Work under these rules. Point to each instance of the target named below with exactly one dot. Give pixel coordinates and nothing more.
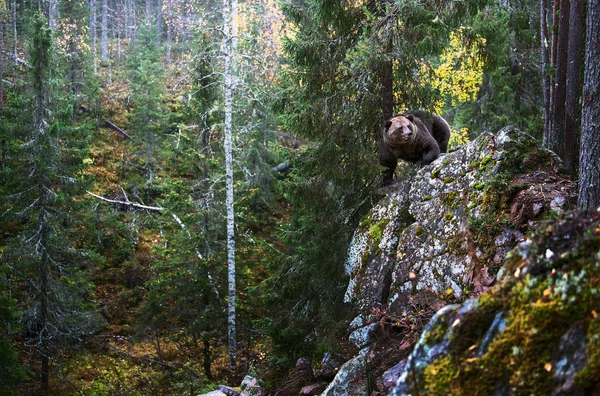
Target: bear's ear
(388, 124)
(410, 117)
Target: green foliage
(511, 90)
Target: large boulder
(536, 332)
(440, 238)
(443, 231)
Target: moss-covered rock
(535, 332)
(439, 237)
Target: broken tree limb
(116, 128)
(127, 203)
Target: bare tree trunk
(94, 33)
(104, 29)
(229, 28)
(3, 142)
(149, 10)
(572, 110)
(14, 28)
(553, 48)
(169, 30)
(159, 19)
(589, 160)
(52, 13)
(556, 138)
(545, 75)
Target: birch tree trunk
(229, 47)
(589, 160)
(104, 30)
(94, 33)
(572, 110)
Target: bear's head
(399, 130)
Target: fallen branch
(116, 128)
(127, 203)
(17, 59)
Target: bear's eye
(388, 124)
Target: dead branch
(116, 128)
(127, 203)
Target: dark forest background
(113, 209)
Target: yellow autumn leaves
(460, 70)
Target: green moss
(439, 376)
(479, 186)
(419, 230)
(448, 216)
(452, 199)
(448, 180)
(427, 198)
(375, 232)
(589, 375)
(484, 161)
(365, 221)
(435, 173)
(436, 335)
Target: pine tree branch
(116, 128)
(127, 203)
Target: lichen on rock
(442, 236)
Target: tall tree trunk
(94, 33)
(553, 47)
(545, 74)
(169, 30)
(104, 29)
(589, 160)
(149, 10)
(387, 91)
(556, 138)
(3, 141)
(229, 29)
(159, 19)
(572, 109)
(52, 13)
(14, 28)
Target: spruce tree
(146, 79)
(45, 266)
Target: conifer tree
(146, 77)
(41, 257)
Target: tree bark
(14, 28)
(169, 31)
(545, 75)
(229, 28)
(589, 161)
(553, 47)
(104, 29)
(3, 141)
(572, 109)
(556, 138)
(94, 33)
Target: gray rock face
(569, 358)
(439, 237)
(450, 321)
(350, 380)
(439, 232)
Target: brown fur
(416, 137)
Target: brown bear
(419, 136)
